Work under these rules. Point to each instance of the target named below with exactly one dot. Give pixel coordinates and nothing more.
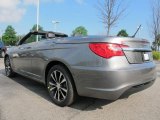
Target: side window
(33, 38)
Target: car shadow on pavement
(82, 103)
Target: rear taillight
(107, 50)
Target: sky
(21, 14)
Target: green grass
(156, 55)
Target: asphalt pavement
(25, 99)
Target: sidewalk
(156, 62)
(1, 66)
(1, 63)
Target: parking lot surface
(24, 99)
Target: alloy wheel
(57, 86)
(7, 66)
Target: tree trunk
(108, 31)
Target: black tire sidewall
(71, 92)
(11, 74)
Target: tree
(9, 37)
(80, 31)
(34, 28)
(111, 11)
(19, 37)
(155, 23)
(122, 33)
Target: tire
(8, 69)
(2, 54)
(60, 86)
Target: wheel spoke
(64, 80)
(63, 89)
(51, 89)
(62, 94)
(53, 78)
(7, 63)
(8, 67)
(55, 74)
(55, 94)
(58, 96)
(52, 84)
(60, 76)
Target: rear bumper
(110, 83)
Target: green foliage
(9, 37)
(80, 31)
(122, 33)
(156, 55)
(19, 37)
(34, 28)
(32, 38)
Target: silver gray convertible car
(96, 66)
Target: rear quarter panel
(78, 57)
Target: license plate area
(138, 57)
(146, 56)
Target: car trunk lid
(138, 52)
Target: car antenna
(137, 31)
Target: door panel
(39, 59)
(27, 59)
(22, 59)
(23, 56)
